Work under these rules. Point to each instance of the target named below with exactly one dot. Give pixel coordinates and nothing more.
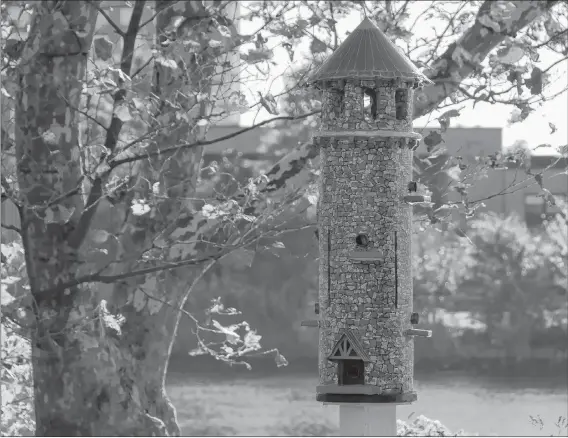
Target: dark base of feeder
(407, 397)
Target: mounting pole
(367, 419)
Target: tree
(116, 221)
(516, 281)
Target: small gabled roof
(367, 53)
(348, 347)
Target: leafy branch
(171, 150)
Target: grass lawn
(286, 406)
(251, 407)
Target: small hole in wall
(362, 240)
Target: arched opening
(401, 103)
(351, 372)
(350, 359)
(362, 240)
(370, 103)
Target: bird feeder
(366, 142)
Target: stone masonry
(362, 180)
(342, 106)
(366, 144)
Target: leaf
(156, 188)
(150, 284)
(536, 81)
(100, 236)
(103, 48)
(553, 128)
(154, 306)
(168, 63)
(139, 300)
(139, 208)
(454, 172)
(257, 55)
(432, 139)
(119, 74)
(510, 55)
(312, 198)
(289, 49)
(260, 40)
(13, 48)
(58, 214)
(138, 103)
(5, 296)
(219, 308)
(278, 245)
(123, 113)
(269, 103)
(215, 44)
(562, 150)
(198, 351)
(451, 113)
(232, 337)
(224, 31)
(318, 46)
(252, 340)
(280, 360)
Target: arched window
(401, 103)
(362, 240)
(370, 103)
(350, 359)
(341, 100)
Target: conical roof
(367, 53)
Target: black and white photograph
(284, 218)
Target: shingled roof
(367, 53)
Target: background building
(266, 145)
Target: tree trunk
(85, 381)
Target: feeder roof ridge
(367, 53)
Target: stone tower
(366, 352)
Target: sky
(534, 130)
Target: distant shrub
(421, 426)
(424, 426)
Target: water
(286, 405)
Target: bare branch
(142, 67)
(113, 132)
(12, 228)
(109, 20)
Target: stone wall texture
(343, 106)
(361, 185)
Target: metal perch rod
(418, 332)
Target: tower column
(366, 342)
